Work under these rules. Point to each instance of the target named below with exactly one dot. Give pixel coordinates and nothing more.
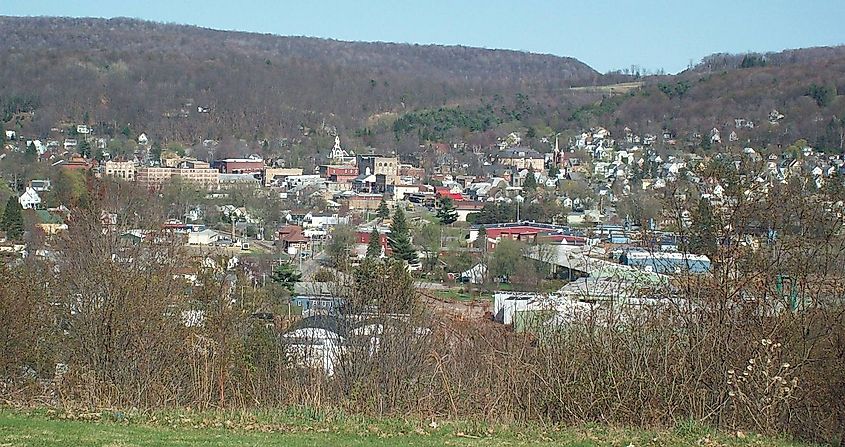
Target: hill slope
(805, 86)
(155, 76)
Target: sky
(607, 35)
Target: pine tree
(530, 183)
(481, 239)
(702, 238)
(30, 153)
(382, 211)
(446, 211)
(286, 276)
(13, 219)
(400, 238)
(374, 246)
(84, 149)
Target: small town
(368, 243)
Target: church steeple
(337, 154)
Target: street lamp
(519, 199)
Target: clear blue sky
(604, 34)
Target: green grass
(309, 428)
(461, 295)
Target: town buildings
(239, 165)
(379, 165)
(124, 170)
(156, 177)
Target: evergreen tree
(2, 135)
(554, 171)
(400, 238)
(374, 246)
(30, 154)
(481, 239)
(84, 149)
(286, 276)
(382, 211)
(13, 219)
(446, 211)
(530, 183)
(702, 239)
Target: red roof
(442, 191)
(292, 234)
(520, 230)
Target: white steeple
(337, 153)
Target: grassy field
(620, 88)
(50, 428)
(462, 295)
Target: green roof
(47, 218)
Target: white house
(29, 199)
(142, 139)
(204, 237)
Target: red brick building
(338, 173)
(364, 239)
(239, 165)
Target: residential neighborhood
(587, 210)
(447, 223)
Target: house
(204, 237)
(522, 158)
(29, 200)
(475, 275)
(324, 221)
(76, 163)
(365, 182)
(40, 185)
(317, 304)
(292, 239)
(465, 207)
(143, 140)
(715, 136)
(10, 135)
(363, 240)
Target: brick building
(239, 165)
(339, 173)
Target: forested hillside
(185, 84)
(155, 76)
(804, 86)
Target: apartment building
(376, 164)
(155, 177)
(124, 170)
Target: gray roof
(521, 152)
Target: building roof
(521, 152)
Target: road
(308, 267)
